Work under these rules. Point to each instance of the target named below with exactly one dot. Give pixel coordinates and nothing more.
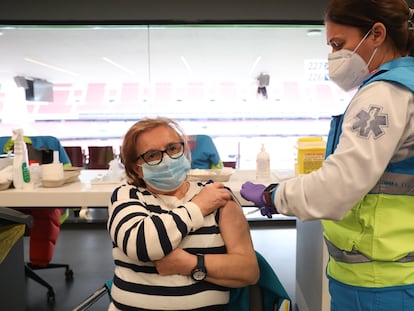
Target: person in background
(364, 190)
(177, 245)
(263, 82)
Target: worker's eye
(336, 45)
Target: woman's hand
(177, 262)
(212, 197)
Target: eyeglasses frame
(165, 151)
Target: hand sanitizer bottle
(263, 165)
(21, 174)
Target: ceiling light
(187, 65)
(254, 65)
(30, 60)
(314, 32)
(118, 65)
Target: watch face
(199, 275)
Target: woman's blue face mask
(168, 175)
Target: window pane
(104, 78)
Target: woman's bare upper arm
(235, 229)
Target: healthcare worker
(364, 191)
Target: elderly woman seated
(177, 245)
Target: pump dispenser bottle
(263, 165)
(21, 174)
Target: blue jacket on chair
(38, 143)
(204, 153)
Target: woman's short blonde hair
(129, 155)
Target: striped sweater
(145, 227)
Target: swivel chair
(46, 221)
(267, 294)
(13, 225)
(43, 236)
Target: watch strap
(200, 267)
(200, 261)
(268, 194)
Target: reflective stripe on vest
(355, 256)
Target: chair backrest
(100, 156)
(76, 155)
(232, 164)
(267, 294)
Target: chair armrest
(11, 216)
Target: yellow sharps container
(310, 153)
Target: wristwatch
(199, 272)
(268, 193)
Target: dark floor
(87, 248)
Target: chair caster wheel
(69, 275)
(50, 296)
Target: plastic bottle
(21, 174)
(35, 173)
(263, 165)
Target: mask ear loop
(372, 56)
(362, 40)
(359, 44)
(373, 53)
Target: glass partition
(242, 84)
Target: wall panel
(135, 11)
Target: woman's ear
(379, 33)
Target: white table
(80, 193)
(85, 193)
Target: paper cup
(52, 171)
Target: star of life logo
(371, 122)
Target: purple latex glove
(253, 192)
(268, 211)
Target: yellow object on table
(9, 235)
(309, 155)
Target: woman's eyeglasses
(154, 157)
